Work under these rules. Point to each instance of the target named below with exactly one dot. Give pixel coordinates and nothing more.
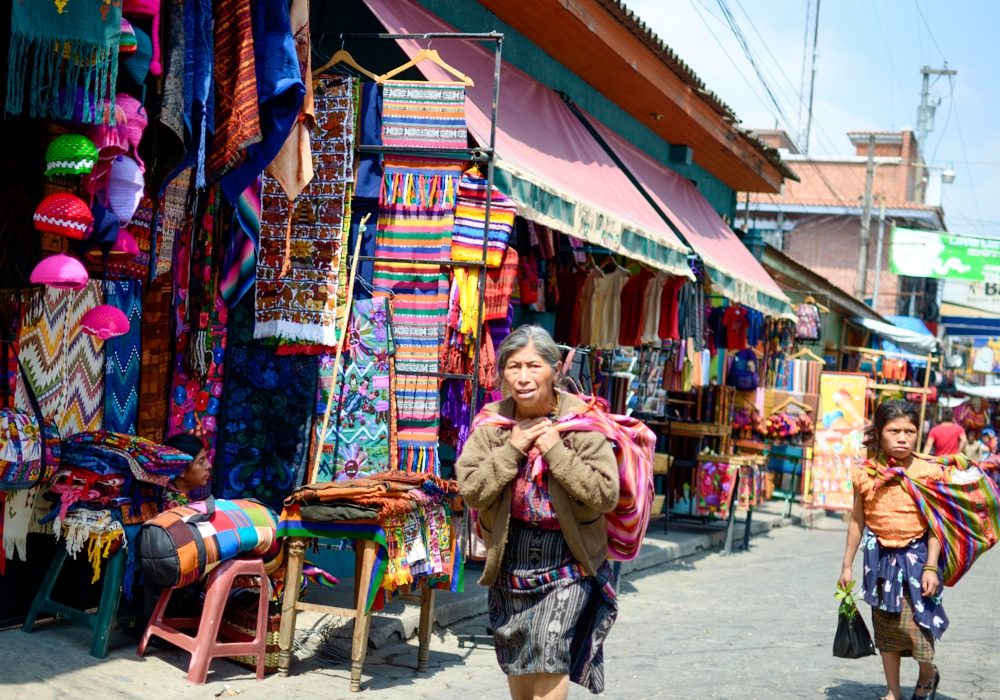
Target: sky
(868, 77)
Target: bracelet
(931, 568)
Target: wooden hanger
(810, 353)
(791, 401)
(432, 56)
(812, 300)
(346, 58)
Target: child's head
(893, 430)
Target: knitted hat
(132, 73)
(64, 214)
(105, 322)
(125, 188)
(148, 8)
(135, 123)
(127, 43)
(103, 233)
(124, 249)
(70, 154)
(61, 272)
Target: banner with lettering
(944, 255)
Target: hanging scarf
(62, 45)
(634, 445)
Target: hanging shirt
(608, 309)
(755, 327)
(807, 327)
(669, 309)
(632, 297)
(571, 280)
(586, 307)
(736, 327)
(651, 310)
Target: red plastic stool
(205, 645)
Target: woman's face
(198, 472)
(529, 378)
(899, 437)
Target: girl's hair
(885, 413)
(187, 443)
(522, 337)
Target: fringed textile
(96, 530)
(123, 359)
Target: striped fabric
(470, 219)
(424, 114)
(239, 265)
(963, 510)
(43, 351)
(123, 359)
(634, 445)
(416, 216)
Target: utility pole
(878, 250)
(812, 32)
(866, 221)
(925, 118)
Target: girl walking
(902, 580)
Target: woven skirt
(900, 633)
(546, 615)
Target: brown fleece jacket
(583, 485)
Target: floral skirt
(546, 615)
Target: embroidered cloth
(123, 359)
(714, 488)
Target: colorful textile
(634, 445)
(963, 510)
(900, 633)
(299, 260)
(69, 57)
(237, 121)
(171, 220)
(894, 573)
(141, 228)
(20, 450)
(416, 217)
(470, 220)
(240, 259)
(266, 417)
(424, 114)
(123, 359)
(715, 482)
(157, 361)
(357, 438)
(201, 318)
(890, 511)
(64, 364)
(96, 529)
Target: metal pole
(812, 80)
(861, 283)
(878, 251)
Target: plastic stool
(205, 645)
(102, 622)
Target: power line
(929, 32)
(961, 140)
(892, 64)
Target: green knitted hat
(70, 154)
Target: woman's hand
(930, 584)
(846, 576)
(548, 439)
(524, 434)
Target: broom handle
(340, 349)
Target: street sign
(944, 255)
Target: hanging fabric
(123, 360)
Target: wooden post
(923, 401)
(362, 619)
(426, 627)
(295, 551)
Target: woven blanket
(95, 529)
(424, 114)
(470, 220)
(265, 422)
(171, 220)
(84, 402)
(123, 359)
(357, 438)
(157, 361)
(201, 318)
(299, 263)
(20, 452)
(416, 216)
(634, 445)
(714, 485)
(152, 457)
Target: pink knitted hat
(105, 322)
(61, 272)
(125, 185)
(148, 8)
(64, 214)
(135, 123)
(124, 249)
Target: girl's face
(899, 437)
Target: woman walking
(902, 580)
(541, 496)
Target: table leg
(733, 504)
(746, 532)
(362, 620)
(426, 627)
(295, 553)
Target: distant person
(973, 447)
(946, 438)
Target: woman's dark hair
(187, 443)
(887, 412)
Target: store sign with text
(977, 296)
(944, 255)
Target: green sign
(944, 255)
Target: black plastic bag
(852, 640)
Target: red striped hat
(65, 215)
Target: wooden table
(365, 554)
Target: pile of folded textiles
(106, 485)
(414, 510)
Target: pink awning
(731, 265)
(546, 160)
